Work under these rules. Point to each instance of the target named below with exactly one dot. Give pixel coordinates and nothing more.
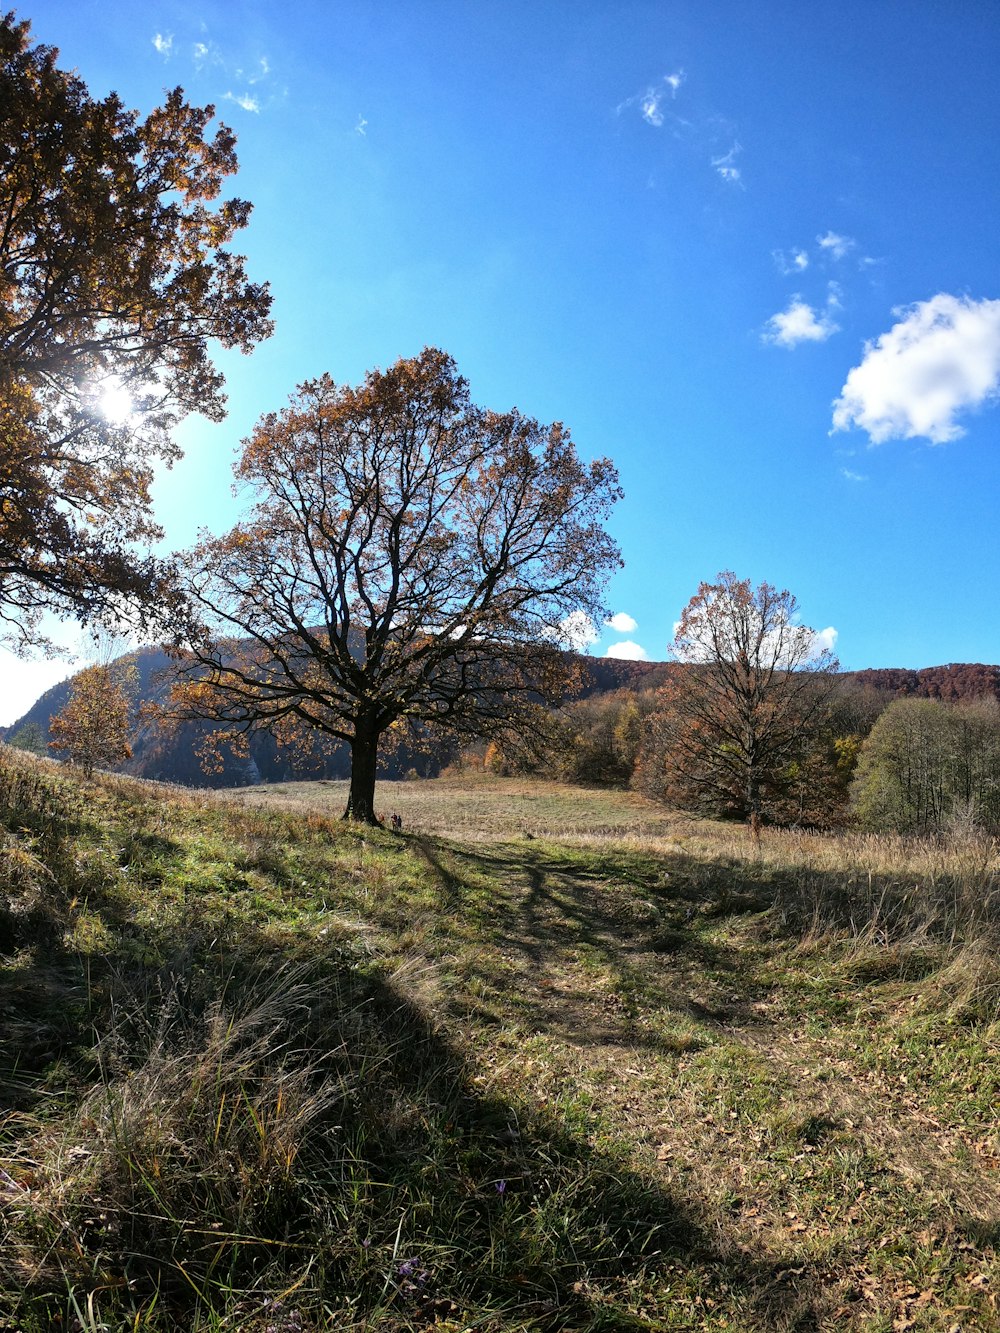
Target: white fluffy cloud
(164, 44)
(825, 641)
(622, 623)
(799, 323)
(942, 358)
(790, 261)
(577, 632)
(632, 652)
(790, 643)
(834, 245)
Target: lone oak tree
(752, 683)
(410, 558)
(113, 280)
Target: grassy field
(549, 1059)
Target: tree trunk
(361, 801)
(753, 802)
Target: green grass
(551, 1059)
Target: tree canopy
(928, 765)
(96, 724)
(114, 278)
(410, 558)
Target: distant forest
(173, 757)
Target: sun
(114, 402)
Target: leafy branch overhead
(114, 277)
(409, 556)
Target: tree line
(866, 755)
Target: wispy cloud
(702, 132)
(631, 652)
(941, 359)
(650, 108)
(834, 245)
(622, 623)
(248, 76)
(361, 127)
(799, 323)
(790, 261)
(256, 74)
(848, 475)
(650, 101)
(245, 100)
(726, 165)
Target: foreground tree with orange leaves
(750, 684)
(411, 560)
(114, 278)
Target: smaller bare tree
(751, 683)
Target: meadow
(550, 1058)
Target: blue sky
(747, 251)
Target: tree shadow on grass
(412, 1183)
(203, 1117)
(649, 927)
(583, 954)
(281, 1120)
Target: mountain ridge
(172, 757)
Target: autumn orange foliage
(114, 277)
(94, 728)
(409, 564)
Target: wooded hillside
(173, 757)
